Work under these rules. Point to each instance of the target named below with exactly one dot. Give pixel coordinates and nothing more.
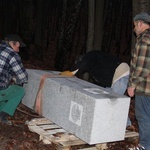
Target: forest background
(56, 32)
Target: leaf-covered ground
(18, 136)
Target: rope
(39, 99)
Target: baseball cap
(14, 37)
(142, 16)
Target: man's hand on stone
(130, 91)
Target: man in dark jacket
(100, 66)
(105, 70)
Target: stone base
(82, 108)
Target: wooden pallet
(50, 133)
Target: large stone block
(90, 112)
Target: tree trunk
(90, 37)
(98, 26)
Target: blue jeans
(120, 87)
(142, 113)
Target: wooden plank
(68, 136)
(47, 127)
(37, 130)
(90, 148)
(56, 131)
(39, 121)
(72, 143)
(51, 138)
(101, 146)
(50, 132)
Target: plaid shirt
(11, 67)
(140, 64)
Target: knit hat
(142, 16)
(121, 70)
(14, 37)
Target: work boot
(138, 147)
(3, 118)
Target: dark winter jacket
(100, 65)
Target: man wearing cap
(139, 79)
(11, 69)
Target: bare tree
(95, 24)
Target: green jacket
(140, 64)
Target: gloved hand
(13, 80)
(68, 73)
